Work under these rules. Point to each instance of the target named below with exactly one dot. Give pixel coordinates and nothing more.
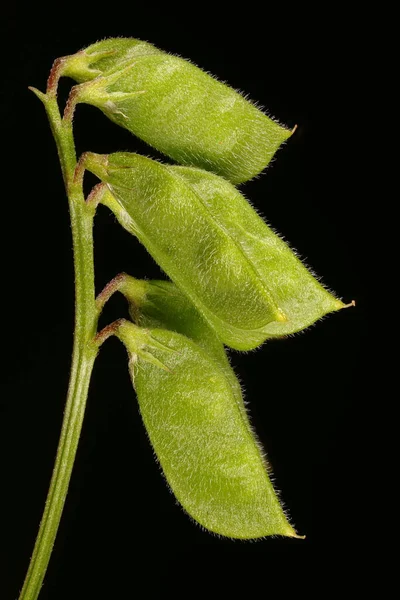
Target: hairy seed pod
(176, 107)
(178, 230)
(208, 455)
(245, 281)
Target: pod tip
(352, 303)
(299, 537)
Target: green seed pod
(178, 230)
(209, 457)
(245, 281)
(176, 107)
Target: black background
(122, 535)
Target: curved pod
(209, 457)
(196, 219)
(176, 107)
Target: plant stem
(84, 347)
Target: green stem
(84, 348)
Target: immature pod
(210, 459)
(246, 282)
(178, 230)
(176, 107)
